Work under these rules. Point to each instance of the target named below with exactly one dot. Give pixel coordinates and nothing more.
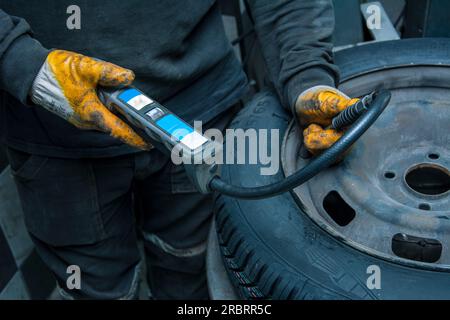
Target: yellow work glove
(315, 109)
(66, 86)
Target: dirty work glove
(315, 109)
(66, 86)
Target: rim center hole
(428, 179)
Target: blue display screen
(174, 126)
(129, 94)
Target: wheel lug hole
(433, 156)
(389, 175)
(424, 206)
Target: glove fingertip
(114, 76)
(312, 128)
(126, 134)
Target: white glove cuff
(47, 93)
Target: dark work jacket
(178, 50)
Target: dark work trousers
(83, 213)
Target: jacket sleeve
(21, 56)
(295, 37)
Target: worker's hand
(66, 85)
(315, 109)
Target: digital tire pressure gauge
(165, 131)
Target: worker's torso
(173, 46)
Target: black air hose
(380, 102)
